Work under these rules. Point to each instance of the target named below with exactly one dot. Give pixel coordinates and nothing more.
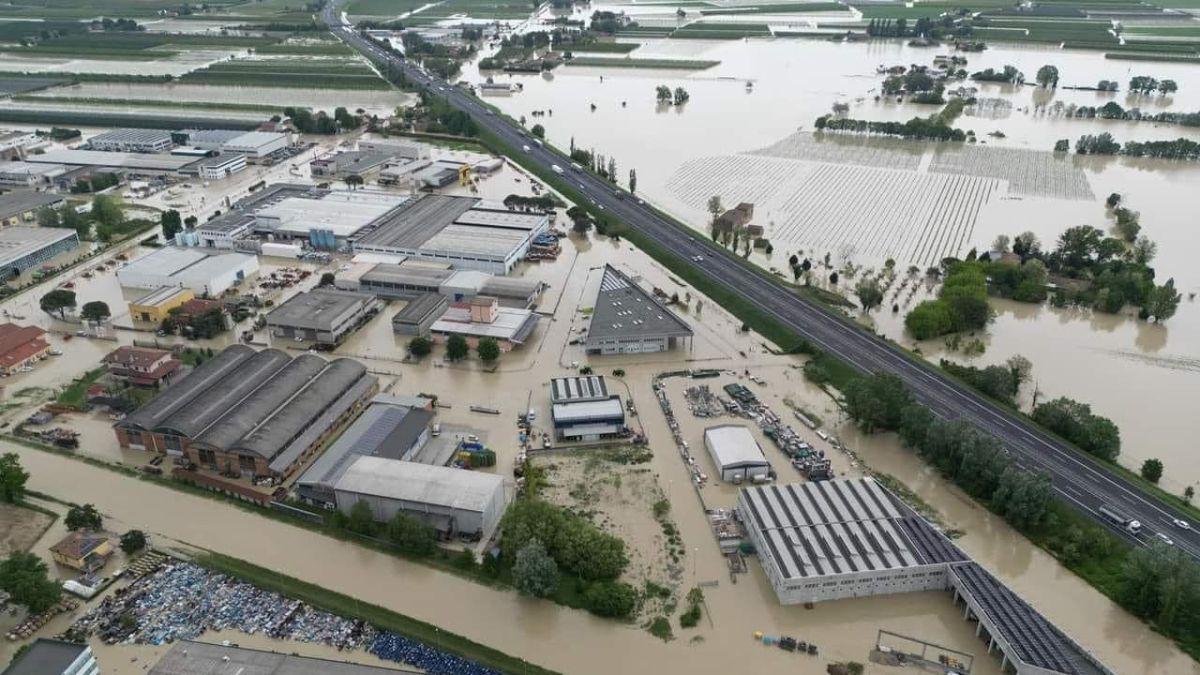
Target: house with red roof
(142, 366)
(20, 346)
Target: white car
(1164, 539)
(1181, 524)
(697, 258)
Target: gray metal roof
(132, 136)
(510, 287)
(179, 394)
(421, 483)
(581, 388)
(383, 430)
(17, 241)
(21, 201)
(830, 527)
(1036, 641)
(416, 222)
(317, 309)
(607, 410)
(46, 657)
(272, 392)
(227, 394)
(624, 309)
(421, 308)
(200, 658)
(407, 275)
(280, 429)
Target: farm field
(1030, 173)
(20, 528)
(289, 73)
(668, 64)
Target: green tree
(488, 349)
(84, 517)
(1152, 470)
(1189, 492)
(538, 130)
(360, 519)
(48, 217)
(1047, 76)
(12, 478)
(681, 96)
(327, 279)
(133, 541)
(59, 300)
(870, 295)
(714, 207)
(876, 402)
(1075, 422)
(457, 348)
(420, 346)
(1023, 499)
(107, 211)
(1161, 583)
(26, 578)
(411, 535)
(96, 310)
(172, 224)
(535, 572)
(1163, 301)
(611, 599)
(632, 182)
(662, 93)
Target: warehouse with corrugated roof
(251, 413)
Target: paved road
(1077, 480)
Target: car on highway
(697, 258)
(1164, 539)
(1181, 524)
(525, 148)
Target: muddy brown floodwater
(810, 192)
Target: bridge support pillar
(978, 628)
(1004, 663)
(991, 645)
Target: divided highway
(1079, 481)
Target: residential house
(83, 550)
(142, 366)
(20, 346)
(737, 217)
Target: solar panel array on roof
(585, 388)
(830, 527)
(1036, 641)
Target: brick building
(20, 346)
(142, 366)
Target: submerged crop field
(289, 73)
(662, 64)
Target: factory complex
(627, 319)
(250, 413)
(204, 273)
(852, 538)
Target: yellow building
(83, 551)
(157, 304)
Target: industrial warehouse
(406, 281)
(582, 409)
(852, 538)
(626, 319)
(466, 232)
(325, 316)
(172, 266)
(455, 502)
(390, 427)
(250, 413)
(735, 452)
(24, 248)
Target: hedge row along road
(1078, 480)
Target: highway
(1081, 482)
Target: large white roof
(421, 483)
(733, 445)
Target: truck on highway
(557, 169)
(1120, 519)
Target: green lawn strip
(666, 64)
(148, 103)
(287, 80)
(1164, 58)
(128, 41)
(85, 53)
(302, 50)
(780, 8)
(604, 47)
(380, 617)
(76, 393)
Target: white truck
(1117, 518)
(557, 169)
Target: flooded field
(863, 200)
(378, 102)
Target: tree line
(933, 127)
(1105, 144)
(973, 460)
